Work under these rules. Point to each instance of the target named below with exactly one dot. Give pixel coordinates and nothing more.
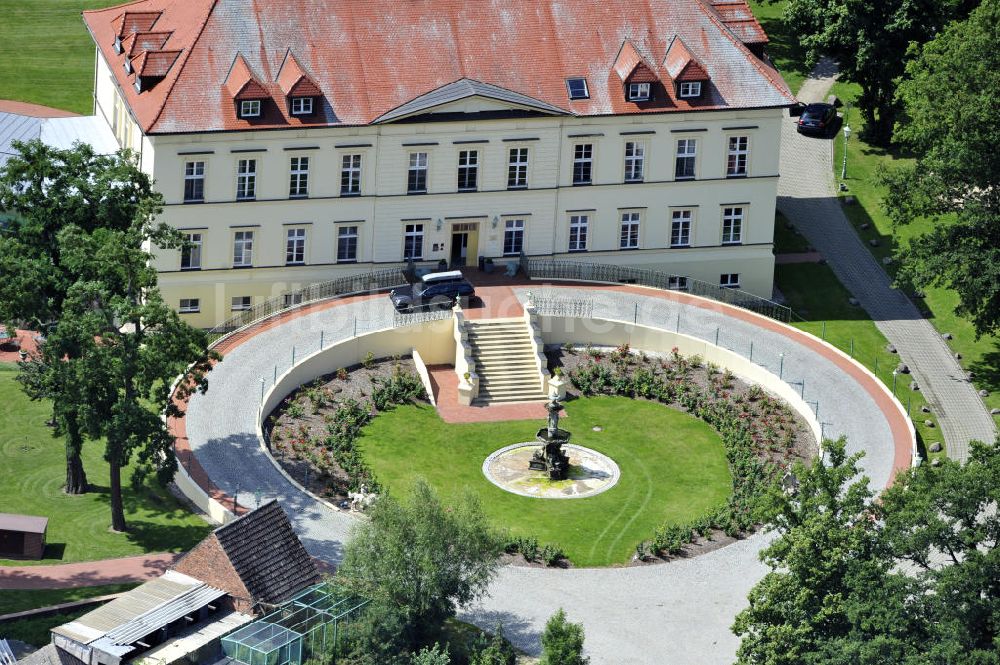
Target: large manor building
(297, 141)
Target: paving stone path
(806, 197)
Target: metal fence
(596, 272)
(370, 282)
(581, 309)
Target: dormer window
(690, 89)
(638, 92)
(302, 105)
(577, 88)
(128, 66)
(250, 108)
(118, 45)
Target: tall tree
(43, 191)
(422, 559)
(562, 642)
(870, 40)
(141, 345)
(950, 104)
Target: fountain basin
(590, 472)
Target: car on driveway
(436, 289)
(818, 120)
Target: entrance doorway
(464, 244)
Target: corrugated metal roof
(464, 89)
(62, 133)
(14, 127)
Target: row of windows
(685, 167)
(513, 239)
(577, 88)
(729, 280)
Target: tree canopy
(870, 41)
(949, 99)
(911, 578)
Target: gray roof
(267, 555)
(50, 655)
(463, 89)
(14, 127)
(25, 523)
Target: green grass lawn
(673, 469)
(47, 54)
(783, 47)
(863, 162)
(32, 475)
(787, 240)
(815, 294)
(36, 630)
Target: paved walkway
(677, 613)
(88, 573)
(806, 197)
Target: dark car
(436, 289)
(818, 119)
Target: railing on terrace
(370, 282)
(595, 272)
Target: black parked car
(436, 289)
(818, 119)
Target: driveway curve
(678, 612)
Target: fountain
(550, 457)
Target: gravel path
(678, 612)
(806, 196)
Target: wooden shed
(22, 536)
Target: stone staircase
(505, 361)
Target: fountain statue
(550, 457)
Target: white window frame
(246, 180)
(468, 163)
(350, 174)
(189, 306)
(242, 249)
(689, 89)
(194, 172)
(349, 232)
(515, 230)
(681, 222)
(517, 168)
(729, 280)
(638, 92)
(240, 303)
(192, 253)
(569, 88)
(738, 156)
(298, 177)
(583, 154)
(630, 230)
(579, 232)
(687, 149)
(250, 108)
(302, 105)
(418, 164)
(295, 246)
(635, 161)
(413, 235)
(733, 218)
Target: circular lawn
(673, 470)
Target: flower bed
(761, 434)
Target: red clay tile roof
(157, 63)
(368, 58)
(632, 67)
(739, 18)
(140, 21)
(241, 82)
(294, 81)
(682, 65)
(145, 41)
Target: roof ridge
(180, 67)
(714, 17)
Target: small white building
(297, 142)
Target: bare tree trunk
(117, 508)
(76, 476)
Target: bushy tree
(496, 651)
(431, 656)
(949, 99)
(421, 559)
(44, 192)
(843, 590)
(870, 40)
(562, 642)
